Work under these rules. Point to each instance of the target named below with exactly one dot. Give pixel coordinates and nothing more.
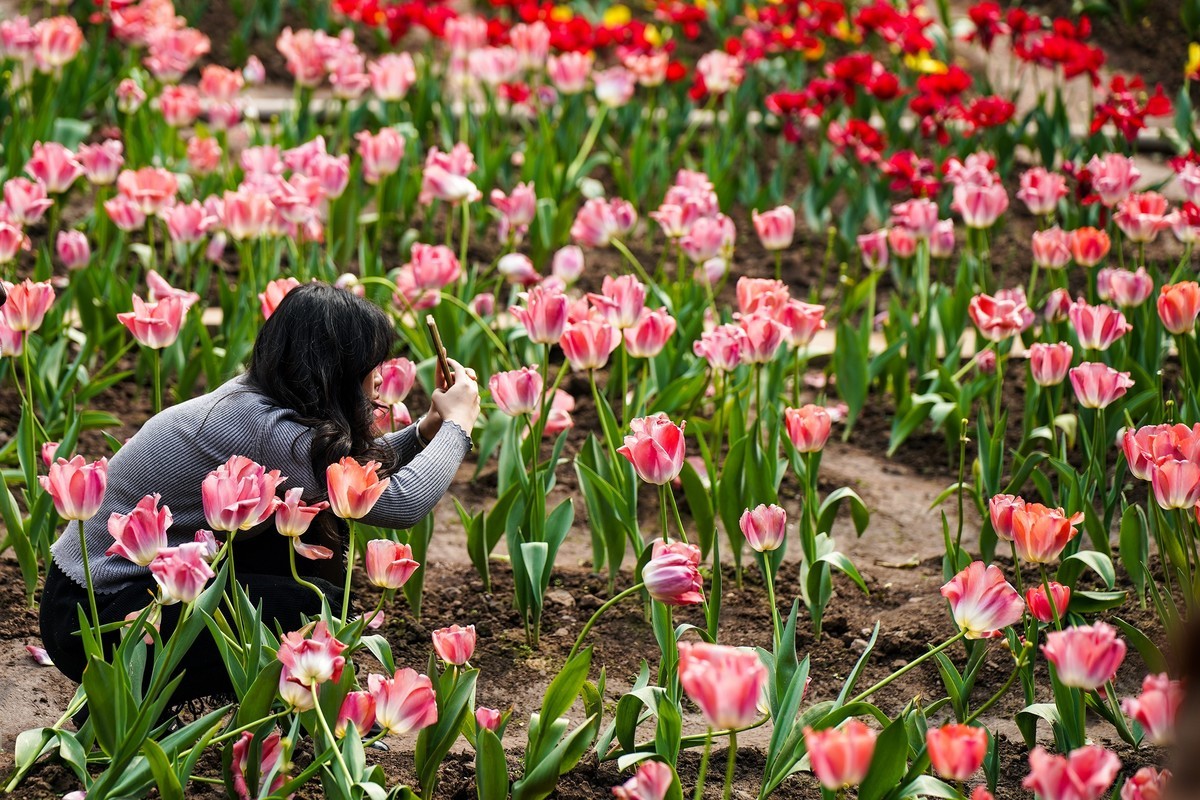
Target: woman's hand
(458, 403)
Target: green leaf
(1149, 651)
(164, 776)
(562, 691)
(1134, 548)
(829, 508)
(491, 768)
(888, 762)
(1072, 567)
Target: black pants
(262, 568)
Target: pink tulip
(1157, 708)
(725, 682)
(180, 572)
(125, 213)
(12, 343)
(775, 228)
(27, 304)
(1146, 784)
(130, 96)
(392, 417)
(599, 221)
(1040, 533)
(392, 75)
(532, 43)
(1178, 306)
(275, 292)
(397, 378)
(517, 391)
(1098, 385)
(765, 527)
(433, 266)
(672, 575)
(357, 712)
(203, 155)
(655, 448)
(1041, 190)
(801, 321)
(840, 757)
(1083, 774)
(569, 71)
(187, 223)
(1144, 447)
(313, 660)
(544, 314)
(980, 206)
(621, 300)
(518, 268)
(76, 487)
(174, 51)
(721, 347)
(1141, 216)
(918, 216)
(54, 166)
(652, 782)
(588, 343)
(140, 534)
(720, 71)
(517, 210)
(293, 517)
(57, 41)
(1000, 317)
(650, 69)
(381, 153)
(1048, 363)
(1185, 223)
(49, 449)
(1039, 605)
(248, 213)
(154, 325)
(1051, 248)
(941, 243)
(1126, 288)
(567, 264)
(354, 488)
(708, 238)
(151, 188)
(874, 249)
(488, 718)
(73, 249)
(647, 337)
(1113, 177)
(763, 337)
(1097, 326)
(12, 240)
(956, 751)
(1057, 304)
(1000, 511)
(455, 644)
(808, 427)
(1176, 483)
(1085, 656)
(1089, 246)
(180, 105)
(26, 200)
(389, 564)
(240, 495)
(982, 602)
(559, 418)
(271, 760)
(404, 702)
(615, 86)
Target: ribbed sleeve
(176, 449)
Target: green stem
(87, 576)
(991, 701)
(776, 622)
(296, 575)
(675, 511)
(464, 234)
(662, 513)
(157, 356)
(349, 573)
(699, 793)
(730, 763)
(337, 752)
(596, 616)
(585, 150)
(1049, 597)
(910, 665)
(633, 261)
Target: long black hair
(312, 356)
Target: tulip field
(840, 420)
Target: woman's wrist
(427, 428)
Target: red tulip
(313, 660)
(270, 761)
(1000, 510)
(357, 712)
(672, 575)
(1048, 363)
(588, 343)
(1086, 656)
(1156, 708)
(840, 757)
(27, 305)
(154, 325)
(240, 495)
(544, 314)
(765, 527)
(1041, 533)
(1098, 385)
(404, 702)
(725, 682)
(517, 391)
(655, 448)
(808, 427)
(76, 487)
(1089, 246)
(1178, 306)
(181, 572)
(652, 782)
(389, 564)
(1083, 774)
(140, 534)
(1097, 326)
(775, 228)
(1051, 248)
(956, 751)
(1039, 605)
(982, 602)
(455, 644)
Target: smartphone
(439, 350)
